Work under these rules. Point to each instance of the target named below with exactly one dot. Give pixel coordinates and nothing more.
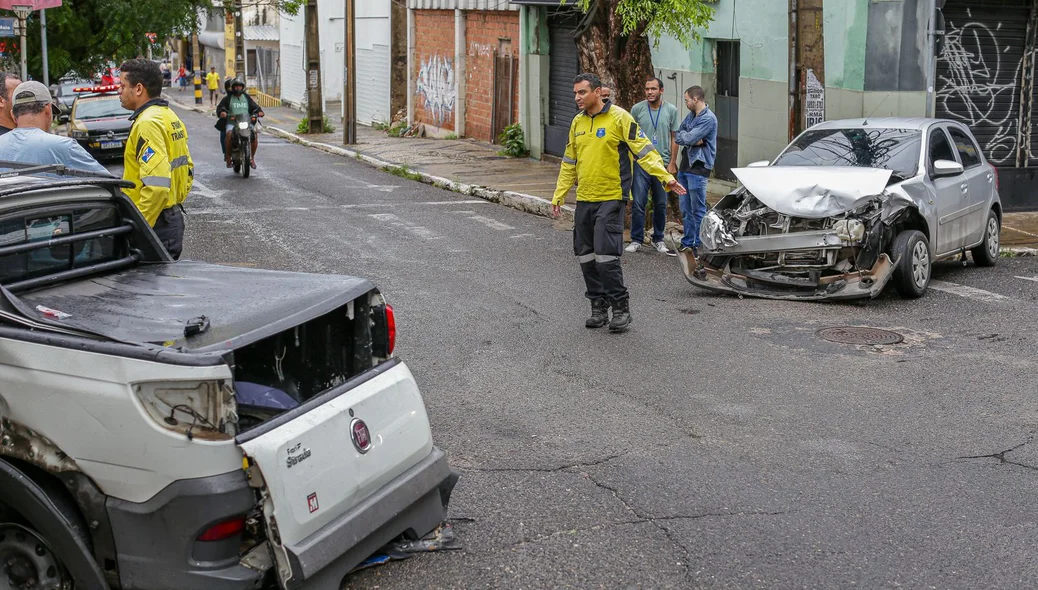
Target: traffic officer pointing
(156, 160)
(602, 140)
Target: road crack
(1001, 456)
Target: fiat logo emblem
(360, 435)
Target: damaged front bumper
(851, 285)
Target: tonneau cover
(152, 303)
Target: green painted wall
(845, 28)
(763, 27)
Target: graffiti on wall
(978, 86)
(435, 86)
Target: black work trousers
(598, 242)
(169, 227)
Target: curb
(1020, 252)
(520, 201)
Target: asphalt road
(718, 444)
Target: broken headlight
(849, 230)
(714, 232)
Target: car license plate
(108, 145)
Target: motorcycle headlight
(243, 125)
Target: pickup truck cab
(189, 426)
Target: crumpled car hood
(813, 192)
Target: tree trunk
(623, 62)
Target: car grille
(103, 135)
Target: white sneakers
(662, 248)
(632, 247)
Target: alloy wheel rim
(993, 237)
(920, 264)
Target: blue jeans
(644, 184)
(693, 207)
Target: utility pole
(196, 64)
(43, 41)
(313, 69)
(349, 121)
(239, 43)
(807, 65)
(23, 12)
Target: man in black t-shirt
(8, 82)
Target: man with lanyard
(157, 160)
(237, 105)
(660, 121)
(602, 138)
(698, 135)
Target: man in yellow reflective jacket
(157, 159)
(603, 139)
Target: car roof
(919, 123)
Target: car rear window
(39, 229)
(896, 150)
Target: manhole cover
(859, 335)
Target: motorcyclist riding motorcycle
(238, 104)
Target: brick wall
(484, 31)
(434, 68)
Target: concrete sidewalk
(475, 168)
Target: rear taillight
(997, 187)
(391, 327)
(224, 530)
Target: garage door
(979, 72)
(373, 65)
(563, 66)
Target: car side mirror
(760, 164)
(943, 168)
(63, 119)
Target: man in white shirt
(31, 141)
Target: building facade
(463, 76)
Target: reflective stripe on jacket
(598, 156)
(157, 160)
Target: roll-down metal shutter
(979, 74)
(563, 66)
(374, 35)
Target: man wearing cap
(157, 160)
(8, 82)
(31, 141)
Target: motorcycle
(241, 144)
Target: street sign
(32, 4)
(8, 27)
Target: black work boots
(600, 315)
(621, 316)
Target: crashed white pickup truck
(849, 206)
(187, 426)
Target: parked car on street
(98, 121)
(849, 206)
(189, 426)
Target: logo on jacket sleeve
(600, 132)
(147, 155)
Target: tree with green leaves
(614, 38)
(83, 35)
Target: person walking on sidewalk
(659, 120)
(698, 137)
(157, 160)
(601, 139)
(212, 81)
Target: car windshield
(896, 150)
(100, 109)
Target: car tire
(986, 253)
(915, 264)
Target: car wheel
(912, 275)
(986, 253)
(29, 561)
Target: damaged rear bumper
(854, 285)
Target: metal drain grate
(859, 335)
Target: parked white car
(849, 206)
(187, 426)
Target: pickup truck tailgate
(315, 472)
